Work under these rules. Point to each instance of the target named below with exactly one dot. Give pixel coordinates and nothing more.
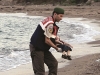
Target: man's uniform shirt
(47, 28)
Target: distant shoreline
(46, 10)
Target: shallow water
(16, 30)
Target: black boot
(69, 57)
(64, 56)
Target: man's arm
(50, 43)
(48, 35)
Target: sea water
(17, 28)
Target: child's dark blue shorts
(64, 47)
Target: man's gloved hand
(59, 50)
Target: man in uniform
(40, 44)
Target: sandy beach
(86, 56)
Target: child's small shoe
(69, 57)
(64, 56)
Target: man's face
(58, 17)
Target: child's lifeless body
(66, 48)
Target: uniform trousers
(40, 57)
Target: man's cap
(58, 10)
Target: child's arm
(58, 41)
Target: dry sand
(85, 55)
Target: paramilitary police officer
(40, 44)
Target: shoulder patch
(50, 29)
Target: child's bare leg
(68, 52)
(63, 53)
(68, 55)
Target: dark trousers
(41, 57)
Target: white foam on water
(98, 60)
(85, 37)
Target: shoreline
(92, 11)
(84, 55)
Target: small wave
(98, 60)
(14, 59)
